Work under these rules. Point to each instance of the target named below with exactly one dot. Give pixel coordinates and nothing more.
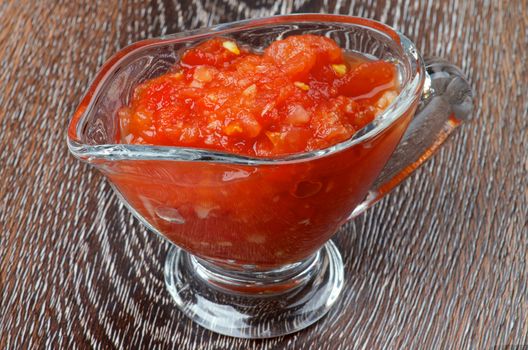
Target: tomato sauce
(300, 94)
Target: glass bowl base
(255, 304)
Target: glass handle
(446, 102)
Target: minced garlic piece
(203, 74)
(340, 69)
(250, 90)
(301, 85)
(231, 46)
(233, 128)
(386, 99)
(176, 75)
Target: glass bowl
(251, 254)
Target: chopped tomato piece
(297, 55)
(368, 78)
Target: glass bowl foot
(255, 304)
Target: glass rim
(409, 93)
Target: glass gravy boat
(251, 254)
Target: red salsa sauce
(300, 94)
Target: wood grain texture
(439, 263)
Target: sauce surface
(301, 94)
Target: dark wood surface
(441, 262)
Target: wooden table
(441, 262)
